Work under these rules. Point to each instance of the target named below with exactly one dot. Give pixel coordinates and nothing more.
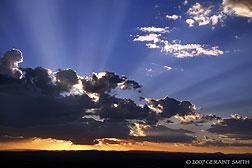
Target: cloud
(237, 127)
(168, 107)
(26, 106)
(199, 119)
(106, 81)
(39, 79)
(190, 50)
(66, 78)
(159, 133)
(34, 110)
(111, 108)
(84, 132)
(190, 22)
(168, 68)
(155, 29)
(173, 17)
(208, 117)
(46, 81)
(155, 69)
(216, 18)
(41, 103)
(177, 49)
(150, 45)
(185, 2)
(7, 138)
(198, 9)
(148, 37)
(9, 63)
(148, 69)
(208, 142)
(241, 8)
(202, 15)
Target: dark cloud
(208, 117)
(208, 142)
(9, 63)
(28, 112)
(7, 138)
(170, 107)
(123, 109)
(128, 84)
(84, 132)
(40, 103)
(111, 108)
(106, 81)
(65, 79)
(159, 133)
(39, 78)
(28, 107)
(6, 80)
(169, 121)
(190, 122)
(237, 127)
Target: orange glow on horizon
(109, 144)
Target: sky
(126, 75)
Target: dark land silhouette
(130, 159)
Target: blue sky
(94, 36)
(198, 51)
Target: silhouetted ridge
(110, 159)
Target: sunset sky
(153, 75)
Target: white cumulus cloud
(190, 50)
(203, 15)
(150, 45)
(148, 37)
(167, 67)
(174, 17)
(190, 22)
(185, 2)
(155, 29)
(177, 49)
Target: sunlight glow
(77, 89)
(137, 129)
(94, 96)
(109, 144)
(94, 37)
(158, 109)
(187, 117)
